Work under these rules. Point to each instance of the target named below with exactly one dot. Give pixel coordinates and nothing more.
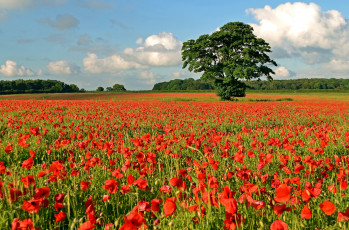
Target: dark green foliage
(100, 89)
(186, 84)
(229, 87)
(312, 83)
(295, 84)
(36, 86)
(116, 87)
(227, 56)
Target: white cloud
(303, 30)
(282, 72)
(157, 50)
(111, 64)
(178, 74)
(161, 49)
(139, 41)
(23, 4)
(16, 4)
(162, 40)
(62, 22)
(337, 65)
(63, 68)
(11, 69)
(148, 78)
(40, 72)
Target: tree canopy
(36, 86)
(227, 56)
(289, 84)
(116, 87)
(100, 89)
(185, 84)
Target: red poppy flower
(130, 179)
(27, 180)
(257, 205)
(74, 173)
(228, 201)
(84, 185)
(306, 194)
(42, 192)
(116, 173)
(141, 184)
(155, 204)
(278, 225)
(34, 130)
(60, 216)
(165, 189)
(280, 208)
(28, 164)
(111, 186)
(9, 149)
(88, 225)
(31, 153)
(306, 213)
(31, 205)
(143, 206)
(106, 197)
(15, 193)
(283, 193)
(343, 184)
(43, 173)
(169, 206)
(22, 224)
(328, 207)
(58, 206)
(125, 189)
(59, 197)
(108, 226)
(298, 168)
(179, 183)
(134, 220)
(2, 167)
(232, 221)
(343, 216)
(193, 208)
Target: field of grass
(174, 161)
(254, 95)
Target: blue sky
(137, 43)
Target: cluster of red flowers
(137, 165)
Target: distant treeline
(312, 83)
(186, 84)
(36, 86)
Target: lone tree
(100, 89)
(118, 87)
(227, 56)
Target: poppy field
(153, 164)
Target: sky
(137, 43)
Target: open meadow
(174, 161)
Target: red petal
(328, 207)
(283, 193)
(169, 207)
(305, 213)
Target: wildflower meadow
(174, 164)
